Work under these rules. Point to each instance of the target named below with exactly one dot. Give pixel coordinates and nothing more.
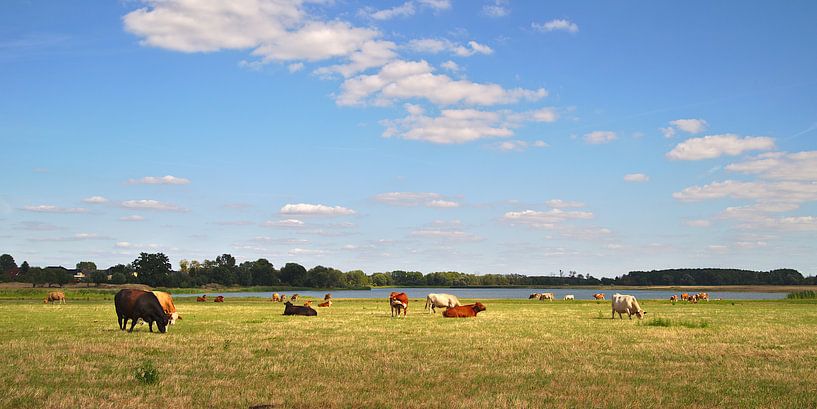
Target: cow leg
(150, 325)
(133, 324)
(119, 319)
(614, 315)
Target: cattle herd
(157, 306)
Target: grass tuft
(666, 322)
(147, 374)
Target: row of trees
(155, 270)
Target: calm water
(494, 293)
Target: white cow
(441, 301)
(569, 297)
(626, 304)
(546, 296)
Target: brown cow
(464, 311)
(276, 297)
(703, 296)
(327, 303)
(134, 305)
(685, 296)
(220, 298)
(534, 296)
(674, 298)
(693, 298)
(294, 297)
(598, 296)
(283, 298)
(328, 296)
(203, 298)
(398, 301)
(58, 296)
(308, 303)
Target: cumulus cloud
(780, 166)
(544, 219)
(150, 204)
(556, 25)
(53, 209)
(692, 126)
(404, 10)
(435, 46)
(599, 137)
(315, 209)
(713, 146)
(159, 180)
(415, 80)
(636, 177)
(95, 200)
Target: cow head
(640, 314)
(173, 317)
(478, 307)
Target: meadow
(517, 354)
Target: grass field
(517, 354)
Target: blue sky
(477, 136)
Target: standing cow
(398, 301)
(626, 304)
(547, 296)
(435, 301)
(598, 296)
(167, 305)
(569, 297)
(57, 296)
(134, 304)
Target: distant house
(77, 274)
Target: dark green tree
(293, 274)
(152, 269)
(99, 277)
(118, 278)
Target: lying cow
(598, 296)
(546, 296)
(294, 297)
(435, 301)
(290, 309)
(203, 298)
(57, 296)
(308, 303)
(134, 304)
(626, 304)
(569, 297)
(398, 301)
(327, 303)
(276, 297)
(167, 305)
(464, 311)
(328, 296)
(703, 296)
(220, 298)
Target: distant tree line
(155, 270)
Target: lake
(501, 293)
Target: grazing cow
(294, 297)
(398, 301)
(703, 296)
(290, 309)
(58, 296)
(569, 297)
(674, 298)
(626, 304)
(693, 298)
(464, 311)
(327, 303)
(546, 296)
(308, 303)
(276, 297)
(598, 296)
(203, 298)
(283, 298)
(435, 301)
(328, 296)
(167, 305)
(220, 298)
(684, 296)
(133, 305)
(535, 296)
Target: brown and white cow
(167, 305)
(464, 311)
(598, 296)
(547, 296)
(398, 301)
(327, 303)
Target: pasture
(517, 354)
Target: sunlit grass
(517, 354)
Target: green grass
(803, 295)
(517, 354)
(665, 322)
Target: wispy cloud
(315, 209)
(53, 209)
(159, 180)
(556, 25)
(149, 204)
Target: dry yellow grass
(518, 354)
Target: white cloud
(156, 180)
(547, 219)
(556, 25)
(404, 10)
(436, 46)
(152, 205)
(563, 204)
(445, 234)
(436, 4)
(315, 209)
(413, 199)
(636, 177)
(132, 218)
(780, 166)
(295, 67)
(699, 223)
(95, 200)
(129, 245)
(690, 125)
(496, 8)
(415, 79)
(519, 146)
(668, 132)
(284, 223)
(599, 137)
(794, 192)
(451, 66)
(714, 146)
(76, 237)
(53, 209)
